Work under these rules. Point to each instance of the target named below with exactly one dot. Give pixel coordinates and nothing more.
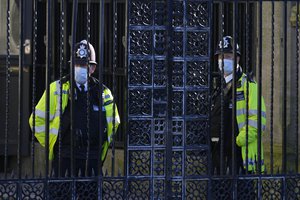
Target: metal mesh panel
(168, 51)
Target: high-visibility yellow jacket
(241, 110)
(54, 116)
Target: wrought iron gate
(168, 70)
(168, 105)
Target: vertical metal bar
(20, 92)
(284, 147)
(259, 98)
(297, 87)
(272, 93)
(247, 85)
(222, 92)
(88, 29)
(47, 83)
(233, 121)
(210, 53)
(61, 64)
(234, 86)
(259, 76)
(7, 85)
(114, 61)
(125, 119)
(74, 28)
(34, 84)
(168, 191)
(100, 77)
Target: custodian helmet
(84, 52)
(227, 46)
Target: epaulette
(96, 82)
(250, 78)
(65, 79)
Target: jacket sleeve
(40, 113)
(112, 116)
(112, 119)
(253, 117)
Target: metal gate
(157, 57)
(168, 104)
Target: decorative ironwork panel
(139, 163)
(140, 12)
(141, 42)
(159, 132)
(177, 103)
(160, 42)
(197, 103)
(113, 189)
(222, 189)
(140, 72)
(160, 73)
(159, 103)
(139, 132)
(177, 74)
(60, 190)
(197, 73)
(196, 189)
(178, 13)
(140, 102)
(177, 44)
(159, 162)
(32, 191)
(197, 14)
(196, 132)
(8, 190)
(197, 44)
(177, 163)
(160, 16)
(247, 188)
(176, 189)
(272, 188)
(196, 162)
(168, 90)
(293, 187)
(86, 190)
(177, 130)
(159, 189)
(138, 189)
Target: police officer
(225, 56)
(86, 116)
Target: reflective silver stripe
(53, 131)
(41, 114)
(251, 112)
(241, 112)
(251, 123)
(254, 112)
(110, 119)
(251, 162)
(107, 96)
(215, 139)
(41, 129)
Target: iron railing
(157, 57)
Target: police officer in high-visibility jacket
(226, 61)
(86, 117)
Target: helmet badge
(225, 41)
(81, 51)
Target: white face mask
(80, 75)
(228, 66)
